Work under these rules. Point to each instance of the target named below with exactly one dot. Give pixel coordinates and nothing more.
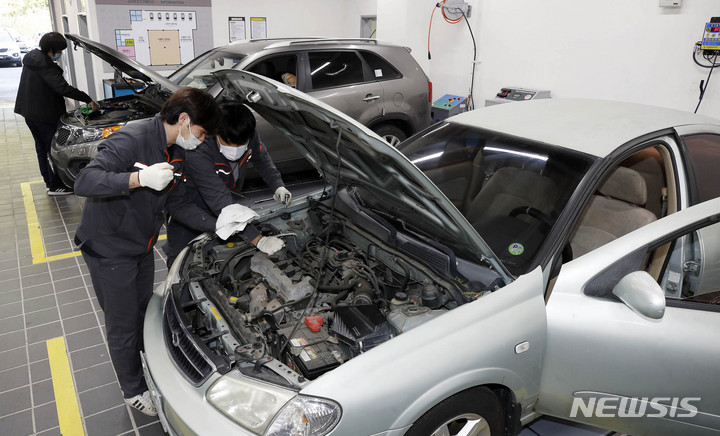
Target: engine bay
(333, 293)
(120, 110)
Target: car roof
(251, 46)
(595, 127)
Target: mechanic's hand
(282, 195)
(270, 244)
(156, 176)
(94, 106)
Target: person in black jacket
(215, 171)
(40, 100)
(128, 189)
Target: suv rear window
(330, 69)
(381, 69)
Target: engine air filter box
(360, 328)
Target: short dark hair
(198, 104)
(52, 42)
(237, 123)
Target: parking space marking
(66, 402)
(37, 248)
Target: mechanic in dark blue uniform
(217, 169)
(128, 185)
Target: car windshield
(198, 73)
(5, 37)
(512, 191)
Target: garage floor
(55, 372)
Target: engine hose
(337, 288)
(401, 263)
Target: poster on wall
(237, 28)
(162, 34)
(258, 27)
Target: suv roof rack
(286, 42)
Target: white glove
(282, 195)
(233, 218)
(156, 176)
(270, 244)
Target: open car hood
(396, 185)
(122, 62)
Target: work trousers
(43, 134)
(123, 286)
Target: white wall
(615, 49)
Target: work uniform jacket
(211, 179)
(42, 88)
(118, 221)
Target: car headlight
(305, 416)
(87, 134)
(250, 404)
(173, 275)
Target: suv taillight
(430, 91)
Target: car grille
(62, 136)
(185, 351)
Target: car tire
(475, 412)
(392, 134)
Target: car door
(622, 353)
(338, 78)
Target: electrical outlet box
(454, 9)
(670, 3)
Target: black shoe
(60, 191)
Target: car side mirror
(641, 293)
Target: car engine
(333, 293)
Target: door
(615, 359)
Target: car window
(332, 69)
(5, 37)
(512, 191)
(198, 73)
(381, 69)
(704, 154)
(281, 68)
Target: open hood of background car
(122, 62)
(395, 186)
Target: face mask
(233, 153)
(190, 143)
(56, 57)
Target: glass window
(331, 69)
(198, 73)
(380, 68)
(511, 191)
(280, 68)
(705, 158)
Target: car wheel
(393, 135)
(475, 412)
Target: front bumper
(183, 407)
(68, 160)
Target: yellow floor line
(65, 394)
(37, 248)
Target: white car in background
(10, 53)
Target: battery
(312, 354)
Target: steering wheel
(532, 212)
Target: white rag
(233, 218)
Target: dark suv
(380, 85)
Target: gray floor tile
(62, 263)
(142, 419)
(46, 416)
(10, 297)
(13, 358)
(67, 284)
(36, 279)
(37, 291)
(10, 285)
(55, 431)
(19, 424)
(44, 332)
(40, 303)
(72, 296)
(84, 339)
(101, 398)
(34, 269)
(15, 401)
(40, 371)
(8, 264)
(41, 317)
(37, 352)
(43, 392)
(152, 430)
(95, 376)
(66, 273)
(14, 378)
(75, 309)
(9, 274)
(111, 422)
(11, 340)
(78, 323)
(11, 324)
(89, 357)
